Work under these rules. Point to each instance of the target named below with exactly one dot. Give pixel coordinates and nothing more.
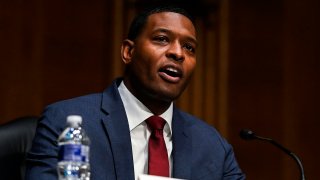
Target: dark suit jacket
(199, 152)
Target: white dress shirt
(137, 113)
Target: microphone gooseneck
(247, 134)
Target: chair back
(15, 141)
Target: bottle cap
(74, 120)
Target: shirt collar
(137, 112)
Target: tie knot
(156, 122)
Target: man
(160, 56)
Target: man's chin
(168, 96)
(165, 93)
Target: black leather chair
(15, 141)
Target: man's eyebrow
(164, 30)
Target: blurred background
(258, 68)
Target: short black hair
(140, 20)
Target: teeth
(172, 70)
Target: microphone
(247, 134)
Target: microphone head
(247, 134)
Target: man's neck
(156, 105)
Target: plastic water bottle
(73, 160)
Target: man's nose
(175, 52)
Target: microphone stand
(249, 135)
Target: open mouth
(170, 74)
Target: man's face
(162, 57)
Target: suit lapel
(182, 150)
(117, 130)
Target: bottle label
(74, 152)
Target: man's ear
(127, 49)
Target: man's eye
(161, 39)
(189, 47)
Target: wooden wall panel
(302, 83)
(53, 50)
(274, 84)
(20, 59)
(74, 48)
(255, 83)
(258, 66)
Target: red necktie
(158, 156)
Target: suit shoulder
(202, 130)
(195, 122)
(81, 105)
